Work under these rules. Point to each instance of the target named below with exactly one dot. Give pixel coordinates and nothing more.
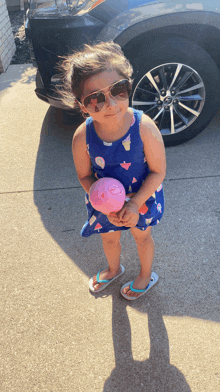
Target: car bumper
(51, 98)
(51, 39)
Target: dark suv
(174, 47)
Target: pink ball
(107, 195)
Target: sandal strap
(137, 290)
(102, 280)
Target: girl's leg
(112, 248)
(145, 247)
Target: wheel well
(206, 36)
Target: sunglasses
(120, 91)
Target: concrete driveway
(56, 336)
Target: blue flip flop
(153, 281)
(106, 282)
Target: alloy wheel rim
(172, 94)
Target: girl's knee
(112, 238)
(142, 237)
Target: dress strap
(88, 128)
(137, 115)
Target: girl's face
(113, 110)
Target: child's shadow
(155, 374)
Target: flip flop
(153, 281)
(107, 281)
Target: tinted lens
(94, 102)
(121, 90)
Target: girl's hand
(113, 218)
(129, 214)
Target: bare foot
(139, 284)
(104, 275)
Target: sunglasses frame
(108, 92)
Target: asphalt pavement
(55, 335)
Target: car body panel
(159, 14)
(108, 10)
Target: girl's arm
(82, 159)
(154, 151)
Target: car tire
(187, 112)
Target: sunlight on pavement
(191, 345)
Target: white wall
(7, 44)
(14, 5)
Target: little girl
(120, 142)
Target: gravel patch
(22, 54)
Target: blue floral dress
(124, 160)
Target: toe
(96, 285)
(125, 290)
(130, 293)
(133, 294)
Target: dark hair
(75, 69)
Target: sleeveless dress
(123, 160)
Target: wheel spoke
(161, 121)
(189, 109)
(150, 77)
(183, 80)
(143, 103)
(146, 91)
(197, 86)
(181, 116)
(179, 66)
(163, 77)
(172, 129)
(150, 109)
(195, 97)
(158, 114)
